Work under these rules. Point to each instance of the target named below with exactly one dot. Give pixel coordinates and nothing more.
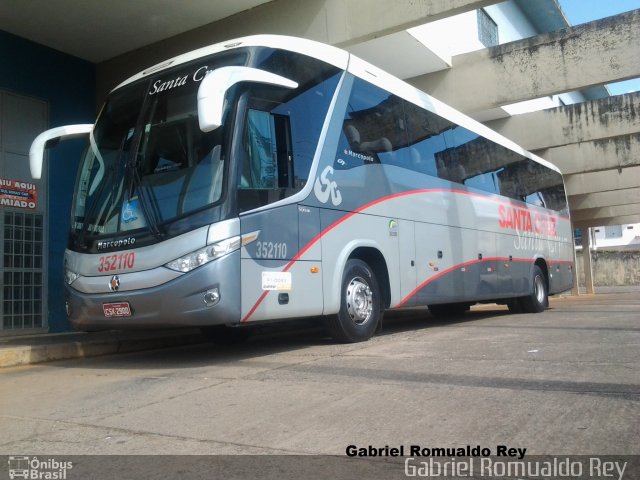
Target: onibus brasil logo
(40, 469)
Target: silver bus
(271, 178)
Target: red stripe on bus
(342, 219)
(471, 262)
(450, 269)
(315, 239)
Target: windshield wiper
(149, 207)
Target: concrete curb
(16, 351)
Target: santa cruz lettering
(522, 220)
(162, 85)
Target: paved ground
(562, 382)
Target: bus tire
(224, 335)
(445, 310)
(360, 305)
(515, 305)
(538, 299)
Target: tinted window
(380, 128)
(282, 128)
(373, 130)
(426, 132)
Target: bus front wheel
(360, 304)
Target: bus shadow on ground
(290, 337)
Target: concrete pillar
(586, 257)
(575, 289)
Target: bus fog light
(212, 297)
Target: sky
(581, 11)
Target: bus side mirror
(36, 152)
(212, 91)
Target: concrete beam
(604, 222)
(583, 122)
(599, 155)
(369, 19)
(594, 53)
(336, 22)
(581, 183)
(604, 199)
(593, 214)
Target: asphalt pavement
(564, 382)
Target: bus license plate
(121, 309)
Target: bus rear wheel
(360, 305)
(538, 299)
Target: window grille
(22, 291)
(487, 29)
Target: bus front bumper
(208, 295)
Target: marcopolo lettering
(122, 242)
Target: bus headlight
(204, 255)
(70, 276)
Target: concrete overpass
(591, 54)
(337, 22)
(597, 144)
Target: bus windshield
(148, 162)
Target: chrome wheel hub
(539, 289)
(359, 301)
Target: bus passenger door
(275, 283)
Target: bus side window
(260, 168)
(281, 132)
(373, 130)
(425, 132)
(266, 173)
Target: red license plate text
(121, 309)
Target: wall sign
(14, 193)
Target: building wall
(67, 84)
(512, 23)
(627, 235)
(612, 268)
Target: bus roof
(354, 65)
(321, 51)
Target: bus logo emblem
(114, 284)
(325, 188)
